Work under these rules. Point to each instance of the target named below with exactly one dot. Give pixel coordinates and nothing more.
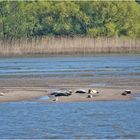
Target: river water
(110, 119)
(97, 66)
(100, 70)
(101, 119)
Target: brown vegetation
(67, 45)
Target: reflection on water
(110, 119)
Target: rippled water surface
(110, 119)
(97, 66)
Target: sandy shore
(18, 94)
(34, 94)
(104, 95)
(18, 89)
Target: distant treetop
(25, 19)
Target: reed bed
(70, 46)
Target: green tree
(25, 19)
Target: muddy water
(101, 70)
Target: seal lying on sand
(80, 91)
(1, 94)
(62, 93)
(92, 91)
(126, 92)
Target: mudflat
(32, 90)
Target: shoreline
(31, 89)
(34, 95)
(39, 55)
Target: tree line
(26, 19)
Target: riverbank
(69, 46)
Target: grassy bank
(70, 46)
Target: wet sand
(18, 94)
(34, 88)
(34, 93)
(104, 95)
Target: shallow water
(110, 119)
(97, 70)
(44, 98)
(101, 119)
(87, 66)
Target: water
(98, 70)
(96, 66)
(44, 98)
(110, 119)
(101, 119)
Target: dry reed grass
(67, 45)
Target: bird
(90, 96)
(55, 99)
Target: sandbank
(33, 94)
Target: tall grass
(67, 45)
